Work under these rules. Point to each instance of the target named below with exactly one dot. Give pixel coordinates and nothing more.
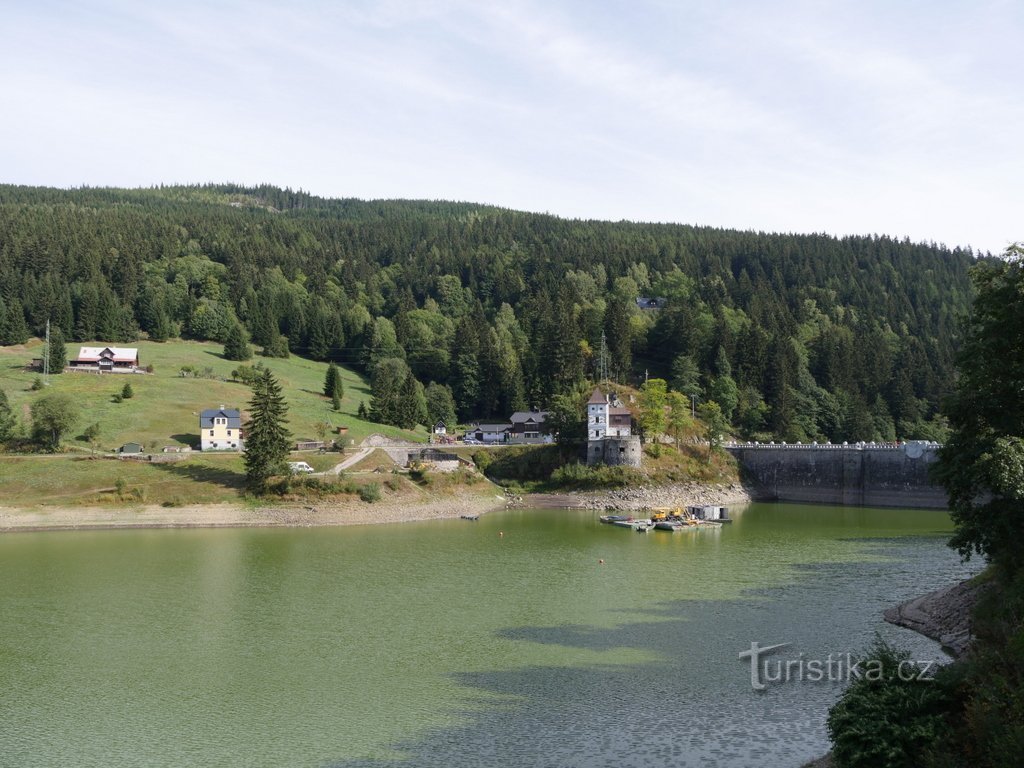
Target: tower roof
(598, 398)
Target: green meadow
(166, 406)
(164, 411)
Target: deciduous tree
(52, 416)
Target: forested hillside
(802, 337)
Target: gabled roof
(598, 398)
(493, 427)
(618, 410)
(521, 417)
(233, 416)
(118, 354)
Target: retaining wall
(853, 475)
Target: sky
(900, 118)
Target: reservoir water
(445, 643)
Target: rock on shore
(674, 495)
(943, 615)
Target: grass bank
(165, 408)
(555, 468)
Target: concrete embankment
(852, 475)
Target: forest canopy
(800, 337)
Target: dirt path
(355, 458)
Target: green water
(443, 643)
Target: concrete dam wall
(864, 474)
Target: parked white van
(299, 468)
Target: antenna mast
(46, 356)
(603, 364)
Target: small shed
(130, 448)
(440, 428)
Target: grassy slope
(164, 411)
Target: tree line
(796, 337)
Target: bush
(393, 483)
(483, 460)
(126, 391)
(887, 718)
(370, 493)
(581, 476)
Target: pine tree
(266, 438)
(336, 402)
(127, 392)
(333, 385)
(58, 354)
(13, 329)
(361, 411)
(236, 346)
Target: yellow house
(220, 429)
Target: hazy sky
(897, 117)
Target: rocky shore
(943, 615)
(643, 497)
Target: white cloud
(846, 117)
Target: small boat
(612, 519)
(670, 525)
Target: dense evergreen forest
(801, 337)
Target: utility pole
(603, 364)
(46, 356)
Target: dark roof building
(233, 416)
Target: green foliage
(58, 352)
(398, 398)
(236, 345)
(888, 718)
(483, 459)
(506, 308)
(576, 476)
(7, 418)
(333, 386)
(567, 416)
(37, 384)
(370, 493)
(653, 399)
(686, 376)
(277, 346)
(52, 417)
(526, 464)
(715, 424)
(440, 405)
(248, 374)
(126, 391)
(336, 401)
(266, 437)
(91, 433)
(679, 416)
(980, 465)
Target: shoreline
(943, 615)
(394, 509)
